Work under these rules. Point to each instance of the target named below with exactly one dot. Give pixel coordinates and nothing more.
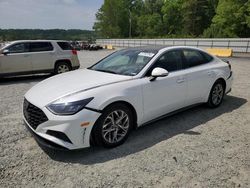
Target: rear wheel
(113, 126)
(216, 94)
(62, 67)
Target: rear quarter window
(65, 45)
(207, 56)
(196, 57)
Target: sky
(48, 14)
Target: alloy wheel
(62, 69)
(217, 94)
(115, 126)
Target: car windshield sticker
(146, 54)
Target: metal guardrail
(236, 44)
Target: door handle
(180, 80)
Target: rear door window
(65, 45)
(40, 46)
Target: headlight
(68, 108)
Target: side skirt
(26, 73)
(170, 114)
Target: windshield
(125, 62)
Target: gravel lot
(200, 147)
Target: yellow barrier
(110, 47)
(221, 52)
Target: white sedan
(102, 104)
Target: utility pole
(130, 24)
(130, 18)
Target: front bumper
(43, 142)
(68, 131)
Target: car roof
(160, 48)
(20, 41)
(38, 41)
(141, 48)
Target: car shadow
(151, 134)
(23, 79)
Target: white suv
(37, 56)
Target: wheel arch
(218, 79)
(63, 61)
(130, 106)
(222, 80)
(126, 103)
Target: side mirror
(158, 72)
(5, 52)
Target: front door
(165, 94)
(17, 60)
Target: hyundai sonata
(100, 105)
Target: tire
(62, 67)
(216, 94)
(108, 134)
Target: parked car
(95, 47)
(91, 47)
(37, 56)
(76, 45)
(102, 104)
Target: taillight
(229, 65)
(74, 52)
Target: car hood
(65, 84)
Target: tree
(150, 22)
(29, 34)
(248, 14)
(231, 19)
(172, 17)
(196, 16)
(113, 19)
(150, 25)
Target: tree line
(173, 18)
(51, 34)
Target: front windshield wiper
(108, 71)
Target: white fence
(237, 44)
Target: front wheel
(113, 126)
(216, 94)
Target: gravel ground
(200, 147)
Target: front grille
(33, 115)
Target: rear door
(165, 94)
(42, 56)
(199, 75)
(17, 60)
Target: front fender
(136, 103)
(108, 95)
